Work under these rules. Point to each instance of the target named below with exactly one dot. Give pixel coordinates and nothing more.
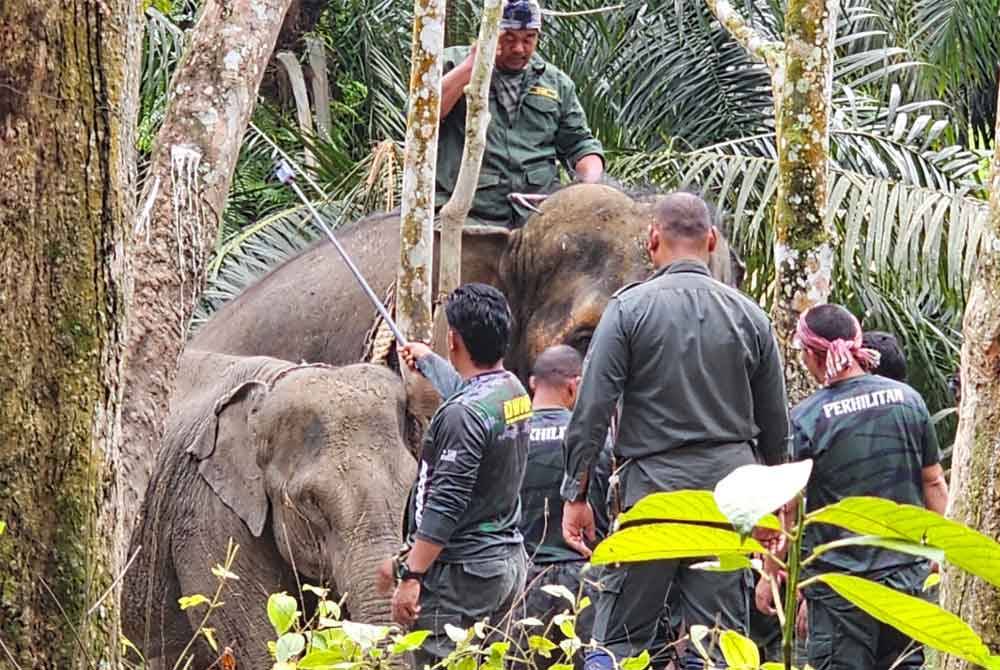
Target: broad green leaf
(567, 626)
(561, 666)
(914, 617)
(963, 547)
(671, 540)
(560, 591)
(3, 527)
(530, 622)
(932, 580)
(895, 544)
(570, 645)
(289, 645)
(640, 662)
(583, 604)
(329, 608)
(542, 645)
(725, 563)
(465, 663)
(282, 611)
(322, 659)
(750, 492)
(209, 634)
(500, 649)
(187, 602)
(738, 651)
(222, 573)
(456, 634)
(685, 506)
(364, 634)
(410, 641)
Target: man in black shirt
(554, 381)
(466, 560)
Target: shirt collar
(684, 265)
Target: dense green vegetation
(677, 103)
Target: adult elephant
(303, 466)
(557, 272)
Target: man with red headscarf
(868, 436)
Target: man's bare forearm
(589, 169)
(453, 86)
(422, 555)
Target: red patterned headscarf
(839, 353)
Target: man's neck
(665, 260)
(852, 371)
(546, 400)
(467, 369)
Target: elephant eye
(580, 338)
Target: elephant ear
(228, 457)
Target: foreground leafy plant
(669, 530)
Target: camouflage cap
(521, 15)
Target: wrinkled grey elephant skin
(301, 465)
(557, 272)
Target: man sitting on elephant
(536, 120)
(466, 559)
(554, 380)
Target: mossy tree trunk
(477, 122)
(802, 82)
(68, 102)
(803, 237)
(416, 249)
(975, 474)
(211, 98)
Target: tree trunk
(477, 122)
(803, 239)
(413, 282)
(68, 104)
(975, 473)
(212, 96)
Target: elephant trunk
(356, 576)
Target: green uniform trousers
(631, 614)
(842, 637)
(461, 594)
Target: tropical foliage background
(677, 103)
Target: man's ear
(531, 383)
(713, 239)
(653, 240)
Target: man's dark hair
(557, 365)
(682, 215)
(832, 322)
(481, 316)
(892, 362)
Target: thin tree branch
(767, 51)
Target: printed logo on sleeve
(517, 409)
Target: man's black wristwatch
(403, 572)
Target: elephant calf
(304, 466)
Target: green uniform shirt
(697, 368)
(467, 494)
(867, 436)
(522, 148)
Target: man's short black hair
(832, 322)
(481, 316)
(557, 365)
(683, 215)
(892, 363)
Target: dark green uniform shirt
(541, 504)
(697, 367)
(523, 147)
(867, 436)
(466, 497)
